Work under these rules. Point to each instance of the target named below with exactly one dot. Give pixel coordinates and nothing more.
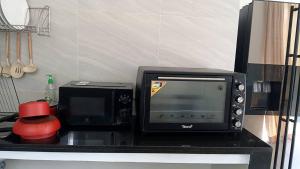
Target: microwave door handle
(192, 78)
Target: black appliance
(189, 99)
(96, 138)
(95, 103)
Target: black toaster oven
(187, 99)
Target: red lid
(33, 109)
(36, 128)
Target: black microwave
(189, 100)
(95, 103)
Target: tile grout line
(159, 33)
(77, 41)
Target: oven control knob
(240, 87)
(239, 99)
(124, 114)
(237, 123)
(238, 111)
(125, 99)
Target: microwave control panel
(123, 106)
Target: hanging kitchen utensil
(6, 68)
(1, 69)
(17, 68)
(30, 68)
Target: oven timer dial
(125, 99)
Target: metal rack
(290, 74)
(39, 22)
(9, 100)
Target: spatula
(0, 69)
(30, 68)
(17, 68)
(6, 68)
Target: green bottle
(50, 93)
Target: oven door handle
(192, 78)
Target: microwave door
(188, 102)
(86, 106)
(86, 110)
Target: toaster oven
(187, 99)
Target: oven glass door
(88, 106)
(195, 103)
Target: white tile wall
(106, 40)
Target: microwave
(189, 100)
(95, 103)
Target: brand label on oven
(156, 85)
(187, 126)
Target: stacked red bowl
(36, 121)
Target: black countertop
(134, 142)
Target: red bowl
(53, 110)
(36, 128)
(33, 109)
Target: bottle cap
(50, 79)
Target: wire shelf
(9, 100)
(39, 22)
